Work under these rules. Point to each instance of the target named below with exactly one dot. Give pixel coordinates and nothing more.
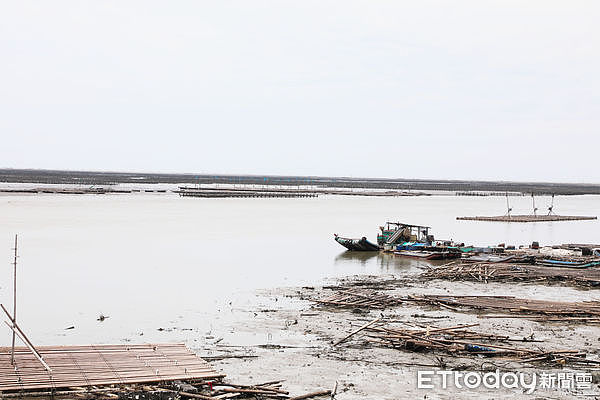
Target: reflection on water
(355, 256)
(386, 262)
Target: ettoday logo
(527, 383)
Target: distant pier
(65, 190)
(528, 218)
(222, 193)
(270, 191)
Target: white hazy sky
(416, 89)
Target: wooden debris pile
(375, 282)
(584, 311)
(268, 390)
(541, 310)
(227, 390)
(504, 272)
(513, 307)
(360, 299)
(461, 341)
(206, 390)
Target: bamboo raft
(214, 389)
(528, 218)
(84, 366)
(505, 272)
(577, 311)
(545, 310)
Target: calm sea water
(160, 261)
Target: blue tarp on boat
(411, 246)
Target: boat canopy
(417, 233)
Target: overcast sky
(422, 89)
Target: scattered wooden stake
(311, 395)
(358, 330)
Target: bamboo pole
(14, 320)
(18, 330)
(35, 353)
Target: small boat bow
(361, 244)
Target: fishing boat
(361, 244)
(394, 234)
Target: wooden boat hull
(361, 244)
(567, 264)
(494, 259)
(444, 255)
(414, 254)
(428, 255)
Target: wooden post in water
(14, 316)
(534, 207)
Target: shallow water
(161, 261)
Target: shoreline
(283, 334)
(294, 341)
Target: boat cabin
(397, 232)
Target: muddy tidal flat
(290, 336)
